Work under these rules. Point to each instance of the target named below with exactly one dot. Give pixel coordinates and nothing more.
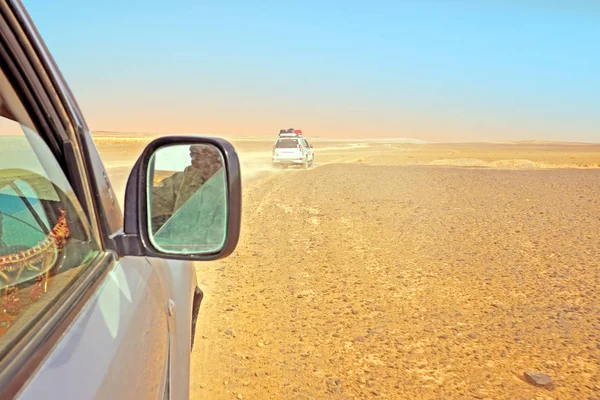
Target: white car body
(292, 149)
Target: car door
(309, 150)
(77, 321)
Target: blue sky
(433, 70)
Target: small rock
(229, 309)
(229, 332)
(259, 344)
(300, 296)
(246, 383)
(359, 339)
(539, 379)
(443, 337)
(239, 396)
(473, 335)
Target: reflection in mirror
(187, 199)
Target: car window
(286, 144)
(188, 199)
(45, 240)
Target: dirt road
(357, 281)
(389, 272)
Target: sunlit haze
(429, 70)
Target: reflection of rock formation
(199, 225)
(160, 175)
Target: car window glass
(187, 199)
(286, 144)
(45, 240)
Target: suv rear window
(286, 144)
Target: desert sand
(403, 271)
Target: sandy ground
(404, 271)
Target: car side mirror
(183, 200)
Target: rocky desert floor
(403, 271)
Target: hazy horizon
(273, 136)
(444, 72)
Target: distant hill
(401, 140)
(541, 142)
(385, 140)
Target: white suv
(292, 149)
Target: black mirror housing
(136, 241)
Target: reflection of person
(172, 192)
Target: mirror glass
(187, 199)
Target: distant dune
(541, 142)
(512, 163)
